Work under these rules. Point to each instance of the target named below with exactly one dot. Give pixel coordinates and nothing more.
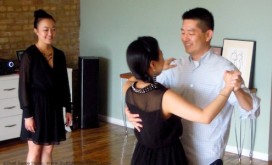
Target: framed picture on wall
(217, 50)
(242, 54)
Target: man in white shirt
(199, 78)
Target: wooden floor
(106, 145)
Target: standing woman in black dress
(43, 92)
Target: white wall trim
(231, 149)
(245, 152)
(114, 121)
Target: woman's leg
(46, 156)
(34, 153)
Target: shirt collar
(203, 58)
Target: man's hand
(134, 119)
(167, 63)
(244, 98)
(237, 81)
(233, 79)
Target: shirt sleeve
(24, 86)
(244, 114)
(165, 78)
(66, 89)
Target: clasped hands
(233, 80)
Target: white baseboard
(231, 149)
(245, 152)
(114, 121)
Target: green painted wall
(108, 26)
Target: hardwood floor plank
(106, 145)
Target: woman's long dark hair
(139, 55)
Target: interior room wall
(107, 27)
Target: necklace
(146, 89)
(48, 56)
(47, 53)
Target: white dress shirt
(200, 83)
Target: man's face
(195, 41)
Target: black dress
(158, 142)
(43, 92)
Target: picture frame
(242, 54)
(217, 50)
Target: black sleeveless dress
(158, 142)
